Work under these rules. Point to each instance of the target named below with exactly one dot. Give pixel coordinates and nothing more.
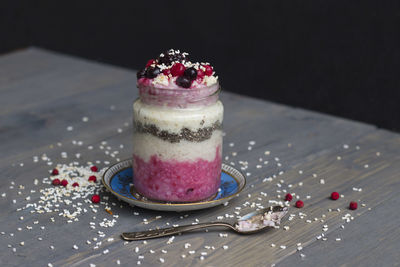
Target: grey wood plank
(301, 139)
(380, 239)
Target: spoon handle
(132, 236)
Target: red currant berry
(92, 178)
(299, 204)
(177, 69)
(353, 205)
(54, 172)
(94, 169)
(200, 74)
(64, 182)
(75, 184)
(56, 182)
(288, 197)
(151, 61)
(95, 198)
(166, 72)
(335, 195)
(208, 70)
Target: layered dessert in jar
(177, 139)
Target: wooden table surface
(310, 154)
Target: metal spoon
(248, 224)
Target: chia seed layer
(200, 135)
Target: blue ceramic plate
(118, 180)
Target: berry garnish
(75, 184)
(183, 82)
(170, 56)
(353, 205)
(335, 195)
(177, 69)
(190, 73)
(95, 198)
(200, 74)
(151, 61)
(56, 182)
(152, 72)
(166, 72)
(94, 169)
(64, 182)
(208, 70)
(141, 74)
(54, 172)
(299, 204)
(92, 178)
(288, 197)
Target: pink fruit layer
(177, 181)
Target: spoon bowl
(248, 224)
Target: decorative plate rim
(240, 188)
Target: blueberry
(141, 74)
(184, 81)
(152, 72)
(190, 73)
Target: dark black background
(338, 57)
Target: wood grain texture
(42, 93)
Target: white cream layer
(146, 145)
(174, 119)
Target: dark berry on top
(152, 72)
(141, 74)
(190, 73)
(183, 81)
(167, 59)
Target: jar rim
(183, 90)
(179, 96)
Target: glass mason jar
(177, 143)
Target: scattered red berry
(353, 205)
(151, 61)
(56, 182)
(177, 69)
(54, 172)
(95, 198)
(64, 182)
(92, 178)
(75, 184)
(208, 70)
(299, 204)
(200, 74)
(94, 169)
(335, 195)
(166, 72)
(288, 197)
